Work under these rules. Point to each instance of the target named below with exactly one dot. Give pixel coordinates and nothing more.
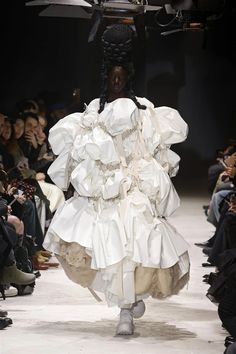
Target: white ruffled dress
(119, 163)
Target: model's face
(117, 80)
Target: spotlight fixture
(97, 10)
(175, 15)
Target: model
(112, 236)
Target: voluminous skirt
(119, 247)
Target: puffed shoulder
(94, 104)
(144, 101)
(165, 121)
(173, 129)
(64, 132)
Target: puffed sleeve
(61, 138)
(173, 129)
(162, 127)
(63, 133)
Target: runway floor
(63, 318)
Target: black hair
(26, 105)
(26, 115)
(117, 50)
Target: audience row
(221, 247)
(28, 198)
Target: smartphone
(19, 192)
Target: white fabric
(117, 233)
(54, 195)
(41, 210)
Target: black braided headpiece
(117, 42)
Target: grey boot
(12, 274)
(125, 325)
(138, 309)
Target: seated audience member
(215, 170)
(221, 248)
(225, 235)
(6, 158)
(231, 349)
(225, 184)
(45, 157)
(28, 141)
(24, 207)
(227, 310)
(9, 273)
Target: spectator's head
(43, 122)
(31, 122)
(7, 130)
(19, 127)
(27, 106)
(40, 135)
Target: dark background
(187, 71)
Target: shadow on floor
(106, 329)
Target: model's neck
(114, 96)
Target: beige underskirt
(156, 282)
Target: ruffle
(140, 282)
(119, 116)
(119, 234)
(63, 133)
(124, 283)
(169, 160)
(111, 232)
(78, 139)
(90, 115)
(154, 182)
(109, 246)
(61, 139)
(95, 145)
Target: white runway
(63, 318)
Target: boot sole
(123, 330)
